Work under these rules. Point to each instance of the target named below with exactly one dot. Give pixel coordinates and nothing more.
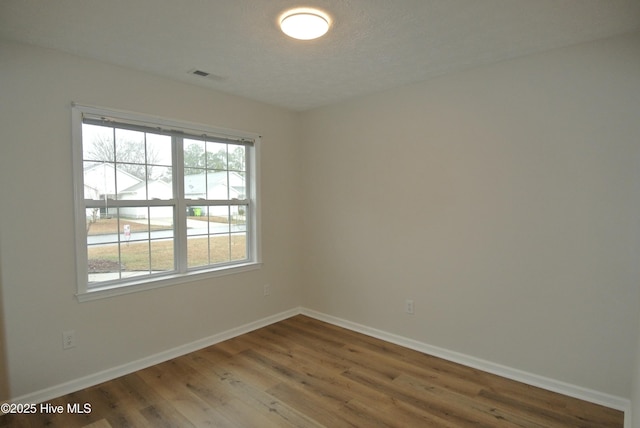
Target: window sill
(167, 281)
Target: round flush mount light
(304, 24)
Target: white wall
(500, 200)
(38, 284)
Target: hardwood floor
(305, 373)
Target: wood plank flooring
(301, 372)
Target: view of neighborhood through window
(140, 223)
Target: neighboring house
(213, 185)
(103, 180)
(158, 189)
(217, 185)
(100, 181)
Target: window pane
(134, 225)
(130, 146)
(217, 185)
(238, 218)
(135, 258)
(237, 185)
(159, 150)
(97, 143)
(216, 155)
(219, 219)
(105, 238)
(239, 246)
(130, 241)
(162, 242)
(239, 232)
(210, 235)
(162, 255)
(197, 220)
(195, 185)
(197, 251)
(219, 245)
(103, 262)
(101, 227)
(194, 154)
(237, 158)
(130, 181)
(219, 234)
(99, 180)
(161, 222)
(160, 183)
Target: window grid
(137, 182)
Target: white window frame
(182, 274)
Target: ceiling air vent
(200, 73)
(205, 74)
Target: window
(159, 202)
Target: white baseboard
(589, 395)
(564, 388)
(115, 372)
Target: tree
(130, 155)
(195, 157)
(237, 158)
(137, 159)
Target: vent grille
(201, 73)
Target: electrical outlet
(267, 289)
(408, 306)
(68, 339)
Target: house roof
(195, 183)
(107, 185)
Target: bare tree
(133, 157)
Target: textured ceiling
(373, 44)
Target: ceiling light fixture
(304, 24)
